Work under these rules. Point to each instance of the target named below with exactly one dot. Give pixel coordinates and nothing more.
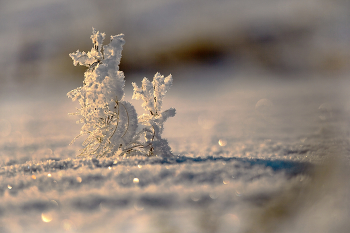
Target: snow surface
(264, 155)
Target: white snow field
(264, 155)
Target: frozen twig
(111, 131)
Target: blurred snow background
(274, 35)
(261, 133)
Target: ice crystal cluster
(111, 123)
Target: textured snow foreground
(266, 156)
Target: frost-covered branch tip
(152, 94)
(109, 122)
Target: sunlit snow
(260, 140)
(264, 153)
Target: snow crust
(236, 166)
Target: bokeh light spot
(67, 225)
(264, 107)
(222, 142)
(46, 217)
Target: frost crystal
(152, 95)
(109, 122)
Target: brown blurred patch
(304, 194)
(278, 48)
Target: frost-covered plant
(152, 95)
(110, 123)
